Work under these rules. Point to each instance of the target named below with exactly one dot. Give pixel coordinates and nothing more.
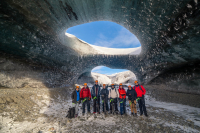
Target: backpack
(71, 113)
(140, 88)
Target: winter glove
(94, 98)
(84, 100)
(89, 99)
(138, 98)
(111, 100)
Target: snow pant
(115, 102)
(106, 102)
(133, 106)
(125, 105)
(95, 102)
(75, 105)
(142, 106)
(88, 106)
(122, 106)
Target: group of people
(113, 96)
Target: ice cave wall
(33, 39)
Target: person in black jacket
(76, 100)
(104, 96)
(95, 93)
(132, 95)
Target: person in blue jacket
(95, 92)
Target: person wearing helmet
(95, 92)
(132, 95)
(113, 96)
(140, 90)
(76, 100)
(122, 99)
(104, 97)
(85, 95)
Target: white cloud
(123, 39)
(102, 36)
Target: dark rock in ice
(36, 52)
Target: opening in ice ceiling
(106, 34)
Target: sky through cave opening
(106, 70)
(106, 75)
(105, 34)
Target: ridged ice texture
(33, 36)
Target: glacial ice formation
(127, 78)
(34, 47)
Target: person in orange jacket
(85, 96)
(122, 99)
(140, 90)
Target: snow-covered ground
(163, 117)
(117, 51)
(105, 50)
(126, 77)
(188, 112)
(102, 78)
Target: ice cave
(40, 63)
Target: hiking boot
(146, 114)
(94, 112)
(136, 114)
(141, 114)
(132, 114)
(76, 115)
(83, 114)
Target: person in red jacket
(122, 99)
(140, 90)
(85, 95)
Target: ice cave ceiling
(33, 43)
